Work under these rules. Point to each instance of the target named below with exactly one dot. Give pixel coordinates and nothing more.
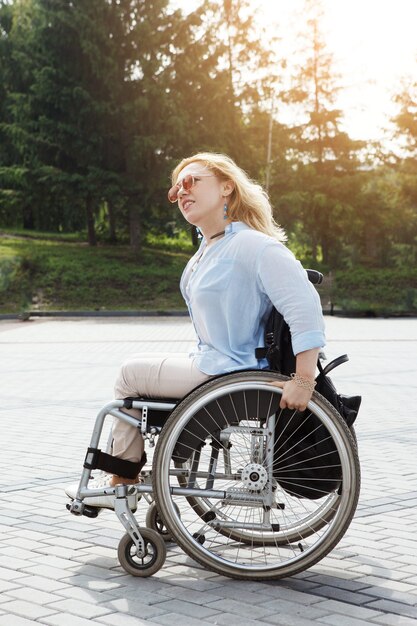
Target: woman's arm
(296, 393)
(285, 282)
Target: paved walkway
(60, 570)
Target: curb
(331, 312)
(31, 314)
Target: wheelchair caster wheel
(151, 562)
(155, 522)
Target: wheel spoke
(285, 532)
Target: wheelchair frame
(223, 505)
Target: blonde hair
(248, 202)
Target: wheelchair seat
(156, 417)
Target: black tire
(303, 530)
(155, 522)
(153, 559)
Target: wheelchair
(244, 488)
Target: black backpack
(306, 464)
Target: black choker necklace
(218, 234)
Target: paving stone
(97, 572)
(8, 562)
(412, 580)
(189, 583)
(394, 607)
(5, 620)
(384, 572)
(300, 610)
(359, 612)
(26, 609)
(116, 619)
(83, 594)
(291, 595)
(240, 594)
(287, 619)
(44, 584)
(177, 619)
(48, 560)
(341, 594)
(396, 620)
(65, 619)
(77, 607)
(88, 582)
(135, 607)
(137, 595)
(229, 619)
(187, 608)
(46, 553)
(33, 595)
(180, 593)
(6, 586)
(343, 620)
(340, 583)
(390, 594)
(231, 606)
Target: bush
(69, 276)
(377, 290)
(62, 275)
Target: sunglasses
(186, 183)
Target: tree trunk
(91, 230)
(112, 222)
(227, 7)
(134, 228)
(28, 218)
(325, 249)
(370, 247)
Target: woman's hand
(296, 393)
(293, 396)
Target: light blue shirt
(230, 293)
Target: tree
(322, 154)
(406, 131)
(15, 74)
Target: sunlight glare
(374, 44)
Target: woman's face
(201, 204)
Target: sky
(374, 43)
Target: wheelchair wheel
(321, 517)
(156, 523)
(262, 493)
(151, 562)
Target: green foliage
(99, 100)
(50, 274)
(178, 240)
(58, 275)
(376, 291)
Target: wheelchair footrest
(88, 511)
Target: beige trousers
(150, 376)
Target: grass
(377, 291)
(61, 273)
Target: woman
(240, 271)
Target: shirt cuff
(308, 340)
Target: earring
(198, 231)
(225, 211)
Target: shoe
(101, 502)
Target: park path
(60, 570)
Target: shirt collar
(235, 227)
